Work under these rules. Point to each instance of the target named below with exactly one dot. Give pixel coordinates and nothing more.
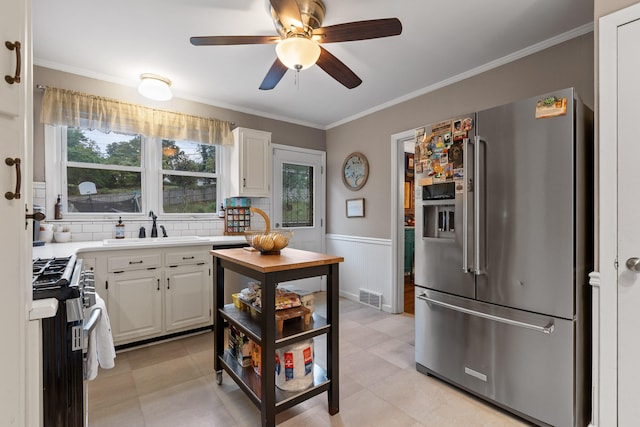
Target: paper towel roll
(294, 366)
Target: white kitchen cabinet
(135, 304)
(188, 296)
(154, 292)
(249, 163)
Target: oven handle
(547, 329)
(89, 326)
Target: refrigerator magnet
(551, 107)
(467, 124)
(455, 154)
(442, 127)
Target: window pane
(188, 156)
(103, 190)
(188, 194)
(297, 195)
(94, 146)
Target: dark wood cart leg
(268, 334)
(333, 362)
(218, 321)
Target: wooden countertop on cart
(289, 259)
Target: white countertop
(66, 249)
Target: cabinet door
(251, 163)
(189, 294)
(10, 32)
(135, 305)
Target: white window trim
(55, 138)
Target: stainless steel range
(65, 337)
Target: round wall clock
(355, 171)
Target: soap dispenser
(120, 229)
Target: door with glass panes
(299, 202)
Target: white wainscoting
(367, 265)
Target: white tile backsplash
(99, 229)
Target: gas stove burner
(52, 278)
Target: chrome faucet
(154, 229)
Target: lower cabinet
(188, 296)
(135, 304)
(150, 293)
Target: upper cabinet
(11, 58)
(249, 164)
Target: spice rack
(237, 220)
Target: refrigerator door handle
(547, 329)
(478, 214)
(465, 210)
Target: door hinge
(321, 222)
(615, 263)
(210, 313)
(209, 272)
(106, 284)
(321, 170)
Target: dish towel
(101, 350)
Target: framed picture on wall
(408, 164)
(408, 195)
(355, 208)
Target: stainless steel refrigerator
(504, 245)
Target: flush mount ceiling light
(155, 87)
(298, 52)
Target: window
(102, 173)
(189, 182)
(297, 195)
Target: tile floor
(173, 384)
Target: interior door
(299, 202)
(16, 386)
(628, 234)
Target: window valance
(77, 109)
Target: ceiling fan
(299, 24)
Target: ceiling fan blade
(232, 40)
(288, 13)
(274, 75)
(360, 30)
(336, 69)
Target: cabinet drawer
(134, 261)
(185, 257)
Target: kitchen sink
(153, 240)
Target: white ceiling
(442, 41)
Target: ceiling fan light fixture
(297, 52)
(155, 87)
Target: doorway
(299, 202)
(402, 216)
